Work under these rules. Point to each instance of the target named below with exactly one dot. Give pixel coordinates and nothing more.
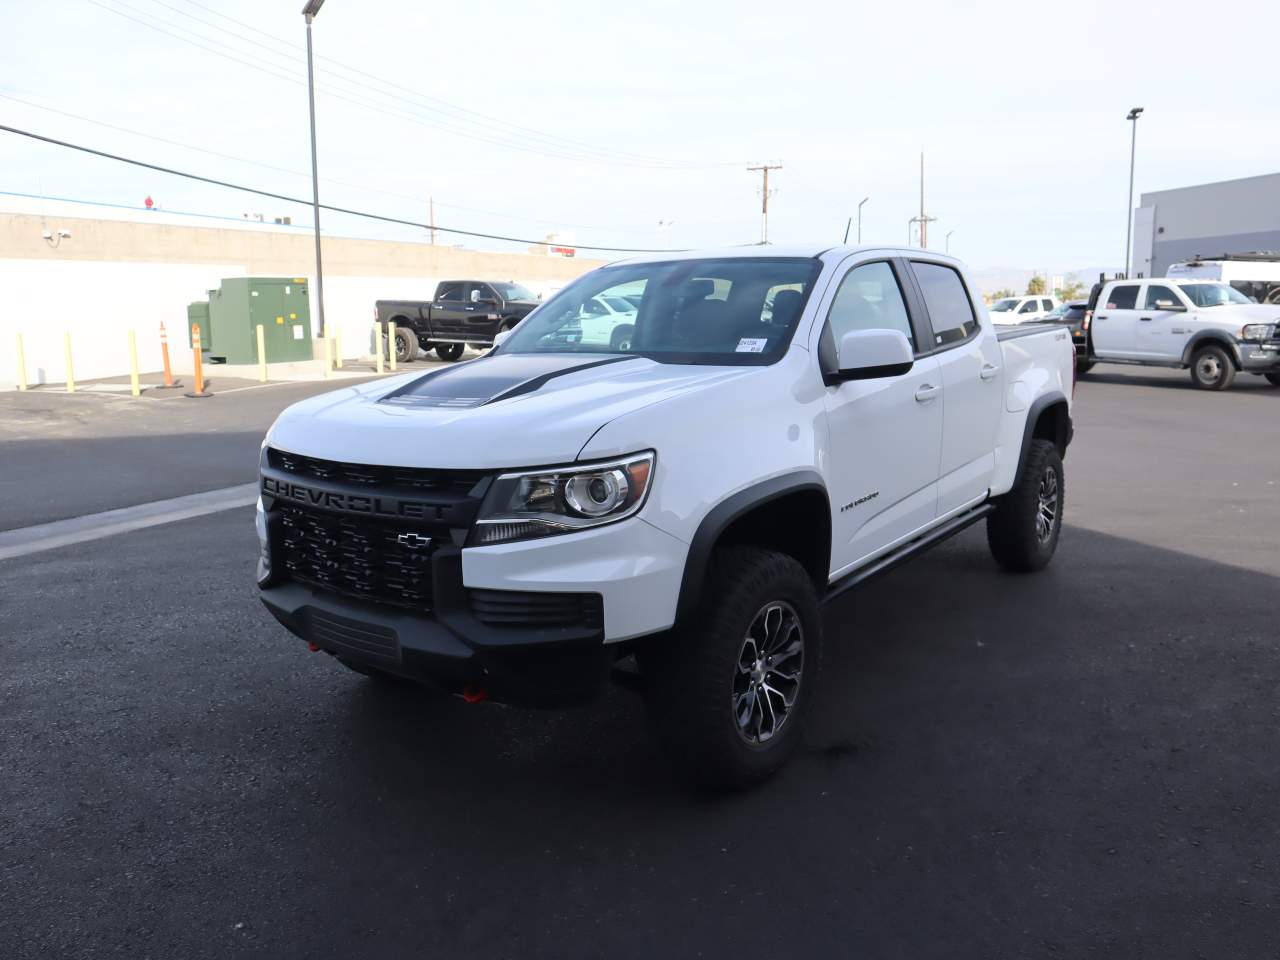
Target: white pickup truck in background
(1207, 327)
(1008, 310)
(784, 424)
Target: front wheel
(1212, 369)
(620, 341)
(1084, 366)
(1023, 530)
(406, 345)
(732, 687)
(450, 351)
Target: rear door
(1115, 323)
(448, 314)
(1162, 326)
(886, 433)
(969, 359)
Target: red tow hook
(313, 647)
(474, 694)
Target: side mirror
(500, 337)
(870, 354)
(1169, 305)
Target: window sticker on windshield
(751, 345)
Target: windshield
(735, 311)
(1005, 305)
(513, 291)
(1213, 294)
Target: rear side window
(1046, 304)
(947, 300)
(449, 291)
(869, 299)
(1029, 307)
(1123, 297)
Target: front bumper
(1259, 357)
(453, 647)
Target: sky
(632, 125)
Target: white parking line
(94, 526)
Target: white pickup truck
(785, 424)
(1206, 327)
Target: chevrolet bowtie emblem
(414, 541)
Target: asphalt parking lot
(1080, 763)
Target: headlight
(1258, 331)
(542, 503)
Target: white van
(1256, 275)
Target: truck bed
(1012, 331)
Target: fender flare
(1219, 338)
(1039, 406)
(724, 513)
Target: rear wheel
(450, 351)
(620, 341)
(1084, 366)
(406, 345)
(1212, 369)
(731, 689)
(1273, 379)
(1023, 531)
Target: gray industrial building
(1233, 216)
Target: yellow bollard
(391, 345)
(377, 346)
(327, 352)
(22, 366)
(337, 349)
(66, 353)
(134, 387)
(262, 354)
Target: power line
(299, 173)
(447, 104)
(577, 153)
(323, 206)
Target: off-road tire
(1017, 541)
(450, 351)
(693, 674)
(1212, 368)
(406, 345)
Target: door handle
(925, 393)
(1146, 319)
(1099, 316)
(989, 370)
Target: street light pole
(860, 203)
(1128, 220)
(309, 11)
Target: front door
(969, 359)
(1162, 323)
(886, 433)
(1115, 324)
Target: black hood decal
(490, 379)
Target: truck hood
(1239, 314)
(499, 411)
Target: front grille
(455, 482)
(354, 555)
(500, 608)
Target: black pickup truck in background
(462, 313)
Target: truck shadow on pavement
(1075, 763)
(1245, 384)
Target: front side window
(1160, 293)
(869, 298)
(1124, 297)
(1005, 305)
(947, 300)
(685, 311)
(1213, 294)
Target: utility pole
(309, 12)
(924, 219)
(764, 168)
(431, 217)
(860, 203)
